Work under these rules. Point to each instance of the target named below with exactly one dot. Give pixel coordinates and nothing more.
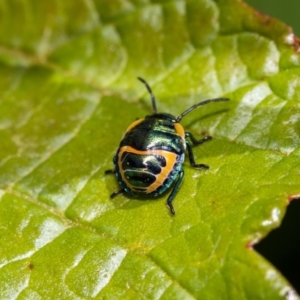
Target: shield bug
(151, 153)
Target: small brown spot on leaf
(296, 44)
(294, 41)
(265, 19)
(249, 245)
(294, 197)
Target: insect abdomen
(147, 171)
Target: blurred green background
(282, 245)
(288, 11)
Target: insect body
(150, 156)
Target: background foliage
(286, 11)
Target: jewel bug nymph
(151, 153)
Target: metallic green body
(156, 132)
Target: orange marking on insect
(180, 131)
(160, 178)
(170, 162)
(134, 124)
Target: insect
(151, 153)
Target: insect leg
(174, 192)
(110, 172)
(195, 141)
(116, 193)
(192, 159)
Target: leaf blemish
(294, 197)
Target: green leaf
(68, 91)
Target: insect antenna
(178, 119)
(151, 94)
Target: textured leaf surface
(68, 90)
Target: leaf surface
(68, 91)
